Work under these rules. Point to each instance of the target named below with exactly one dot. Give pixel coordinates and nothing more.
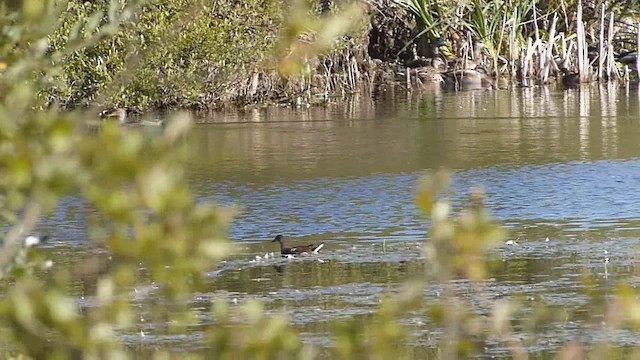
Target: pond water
(561, 170)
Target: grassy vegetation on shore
(210, 54)
(198, 55)
(173, 53)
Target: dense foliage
(167, 54)
(144, 213)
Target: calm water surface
(561, 170)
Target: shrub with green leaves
(166, 54)
(145, 214)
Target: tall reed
(526, 37)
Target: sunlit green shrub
(177, 53)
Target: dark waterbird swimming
(298, 250)
(570, 79)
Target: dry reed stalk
(601, 53)
(335, 82)
(611, 66)
(356, 71)
(523, 68)
(638, 49)
(531, 56)
(535, 23)
(565, 16)
(470, 50)
(253, 85)
(408, 76)
(547, 59)
(526, 69)
(512, 43)
(542, 57)
(327, 75)
(580, 40)
(534, 47)
(332, 82)
(349, 73)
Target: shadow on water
(561, 169)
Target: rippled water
(561, 170)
